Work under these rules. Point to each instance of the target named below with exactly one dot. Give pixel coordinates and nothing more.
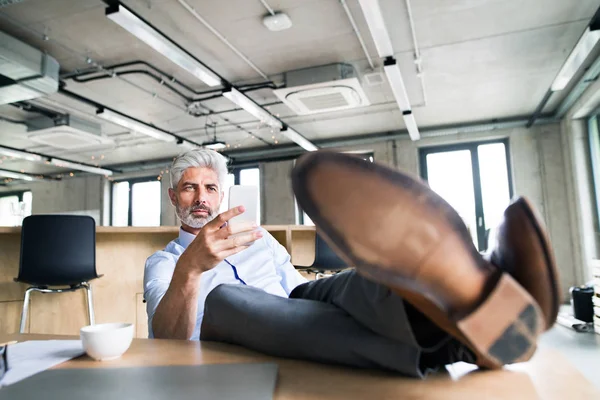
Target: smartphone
(246, 196)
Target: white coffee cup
(105, 342)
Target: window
(302, 217)
(136, 202)
(14, 206)
(474, 179)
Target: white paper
(28, 358)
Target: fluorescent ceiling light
(23, 155)
(134, 125)
(392, 71)
(68, 164)
(299, 139)
(15, 175)
(411, 126)
(581, 51)
(376, 24)
(250, 106)
(153, 38)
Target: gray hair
(203, 158)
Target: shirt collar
(185, 238)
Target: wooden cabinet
(121, 254)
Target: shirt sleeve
(290, 277)
(157, 277)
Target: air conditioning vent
(323, 99)
(70, 133)
(374, 79)
(25, 72)
(322, 89)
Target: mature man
(209, 285)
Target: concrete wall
(580, 190)
(69, 195)
(168, 216)
(277, 199)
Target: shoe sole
(550, 262)
(503, 329)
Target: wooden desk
(547, 376)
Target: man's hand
(214, 242)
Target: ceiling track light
(23, 155)
(250, 106)
(80, 167)
(160, 43)
(130, 123)
(392, 71)
(376, 23)
(16, 175)
(298, 139)
(411, 125)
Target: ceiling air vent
(322, 89)
(25, 72)
(68, 133)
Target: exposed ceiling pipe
(539, 108)
(12, 121)
(570, 67)
(130, 21)
(393, 135)
(590, 76)
(240, 157)
(418, 58)
(357, 33)
(100, 106)
(268, 7)
(222, 38)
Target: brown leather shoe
(397, 231)
(522, 248)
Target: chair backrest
(325, 258)
(57, 250)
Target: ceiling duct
(25, 72)
(66, 133)
(321, 89)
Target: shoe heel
(504, 329)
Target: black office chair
(57, 250)
(325, 259)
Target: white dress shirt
(264, 265)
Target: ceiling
(482, 60)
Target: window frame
(472, 148)
(236, 171)
(131, 181)
(593, 136)
(18, 193)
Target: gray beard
(191, 220)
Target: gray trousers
(345, 319)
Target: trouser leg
(301, 328)
(375, 306)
